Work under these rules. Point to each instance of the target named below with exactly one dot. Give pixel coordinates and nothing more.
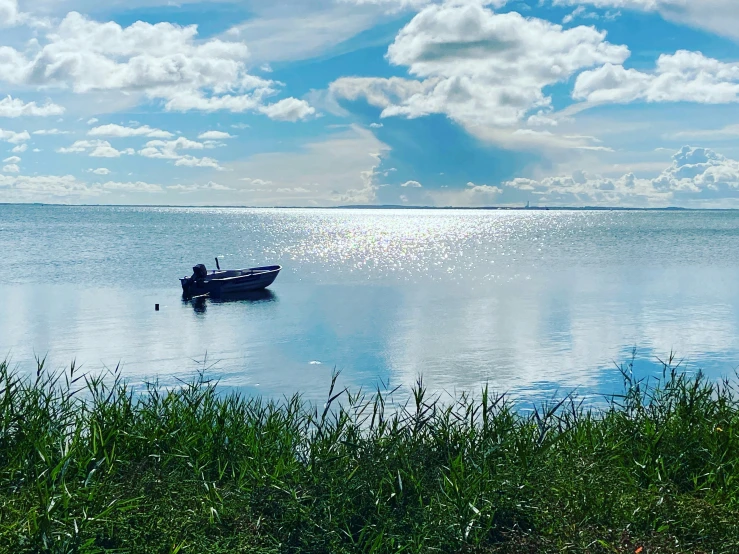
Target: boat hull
(222, 282)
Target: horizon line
(375, 207)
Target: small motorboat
(218, 282)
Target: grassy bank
(90, 467)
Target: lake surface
(537, 303)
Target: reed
(88, 465)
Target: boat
(218, 282)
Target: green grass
(87, 465)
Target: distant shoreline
(392, 207)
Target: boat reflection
(254, 296)
(200, 303)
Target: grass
(87, 465)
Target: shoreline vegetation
(88, 465)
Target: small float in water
(219, 282)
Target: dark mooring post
(156, 307)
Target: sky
(372, 102)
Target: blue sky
(335, 102)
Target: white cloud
(289, 109)
(13, 137)
(681, 77)
(485, 71)
(15, 107)
(138, 186)
(192, 161)
(43, 188)
(471, 196)
(412, 184)
(256, 182)
(215, 135)
(727, 132)
(66, 188)
(113, 130)
(719, 16)
(160, 61)
(9, 14)
(541, 119)
(50, 132)
(307, 30)
(169, 150)
(12, 160)
(375, 125)
(20, 148)
(580, 10)
(92, 121)
(393, 6)
(209, 186)
(100, 171)
(341, 168)
(11, 168)
(96, 149)
(697, 176)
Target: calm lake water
(536, 303)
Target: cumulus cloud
(256, 182)
(100, 171)
(43, 187)
(161, 61)
(138, 186)
(472, 195)
(581, 12)
(92, 121)
(20, 148)
(209, 186)
(215, 135)
(66, 188)
(9, 14)
(15, 107)
(696, 176)
(12, 160)
(289, 109)
(11, 168)
(120, 131)
(14, 137)
(192, 161)
(169, 150)
(95, 149)
(412, 184)
(681, 77)
(477, 67)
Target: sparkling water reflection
(531, 302)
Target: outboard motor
(199, 272)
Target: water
(536, 303)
